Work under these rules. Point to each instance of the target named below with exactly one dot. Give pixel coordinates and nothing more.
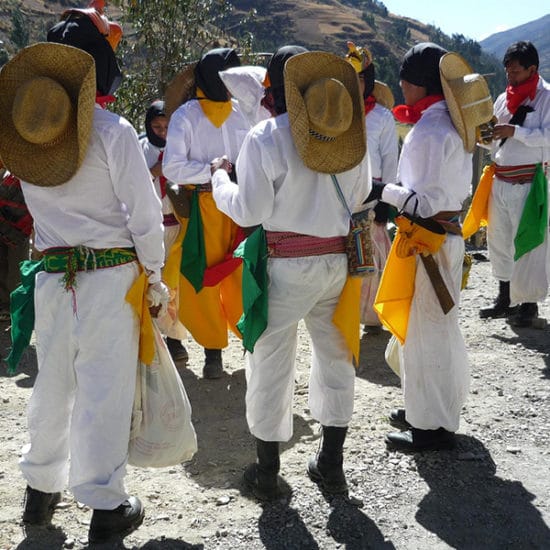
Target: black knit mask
(421, 67)
(207, 69)
(155, 110)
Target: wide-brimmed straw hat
(46, 112)
(467, 96)
(383, 94)
(325, 111)
(180, 89)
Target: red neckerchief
(369, 104)
(516, 95)
(410, 114)
(162, 179)
(104, 100)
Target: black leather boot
(213, 366)
(398, 418)
(39, 506)
(526, 312)
(262, 477)
(415, 439)
(118, 522)
(326, 467)
(501, 307)
(177, 350)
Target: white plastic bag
(392, 355)
(162, 433)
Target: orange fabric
(217, 112)
(478, 213)
(347, 315)
(208, 314)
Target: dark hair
(523, 52)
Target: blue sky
(475, 19)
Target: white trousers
(435, 371)
(300, 288)
(529, 276)
(82, 399)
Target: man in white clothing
(435, 172)
(96, 215)
(285, 185)
(521, 141)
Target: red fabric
(516, 95)
(369, 103)
(410, 114)
(162, 179)
(216, 273)
(13, 212)
(104, 100)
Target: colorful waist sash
(82, 258)
(523, 173)
(285, 244)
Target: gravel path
(492, 491)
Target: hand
(502, 131)
(221, 163)
(158, 296)
(156, 169)
(376, 192)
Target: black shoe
(120, 521)
(264, 486)
(421, 440)
(330, 477)
(373, 330)
(177, 350)
(39, 506)
(525, 315)
(398, 417)
(499, 310)
(213, 365)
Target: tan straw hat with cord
(180, 89)
(325, 111)
(383, 95)
(467, 95)
(46, 112)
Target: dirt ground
(492, 491)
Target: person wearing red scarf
(521, 140)
(435, 172)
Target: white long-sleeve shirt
(433, 164)
(382, 144)
(530, 143)
(109, 203)
(193, 141)
(278, 191)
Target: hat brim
(452, 66)
(74, 69)
(383, 95)
(180, 89)
(349, 148)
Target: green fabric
(61, 260)
(253, 321)
(22, 312)
(193, 258)
(533, 224)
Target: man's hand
(221, 163)
(502, 131)
(158, 296)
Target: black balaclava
(155, 110)
(275, 71)
(79, 31)
(207, 69)
(368, 75)
(421, 67)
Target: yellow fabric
(347, 315)
(137, 298)
(478, 213)
(217, 112)
(208, 314)
(396, 290)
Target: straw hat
(180, 89)
(46, 112)
(383, 94)
(467, 95)
(325, 111)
